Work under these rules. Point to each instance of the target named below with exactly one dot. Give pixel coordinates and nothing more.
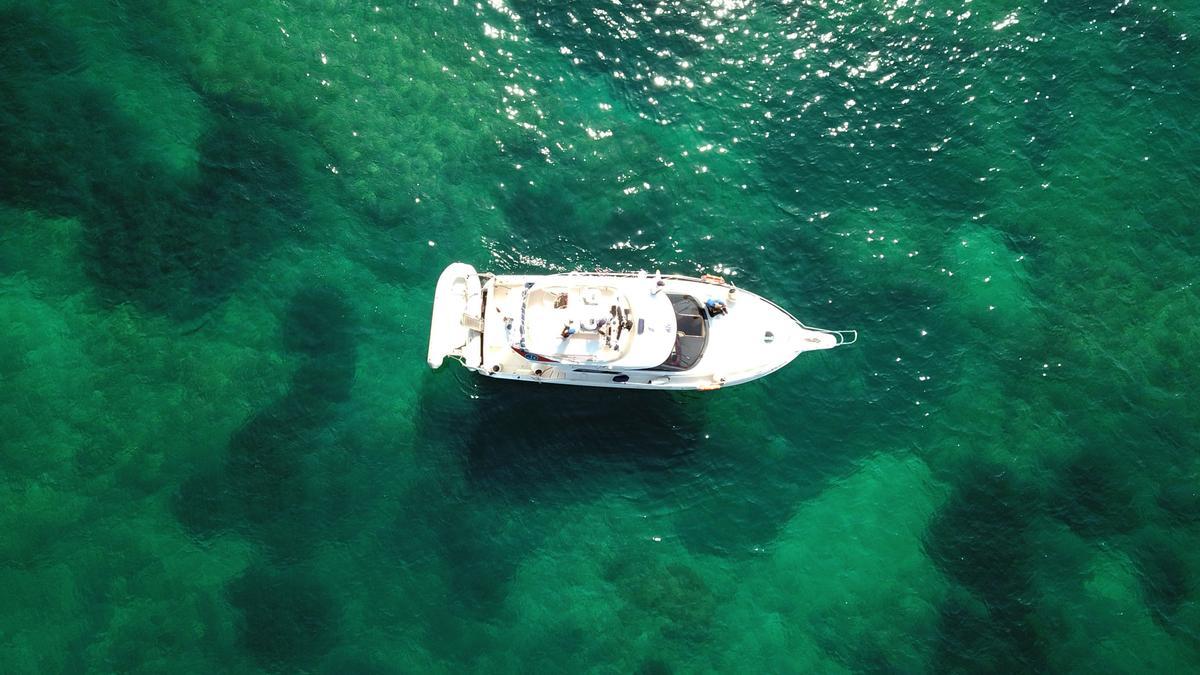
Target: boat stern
(456, 330)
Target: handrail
(841, 336)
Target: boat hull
(750, 340)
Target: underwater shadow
(978, 539)
(268, 487)
(175, 240)
(289, 618)
(181, 247)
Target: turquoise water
(220, 225)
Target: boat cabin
(631, 326)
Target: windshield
(691, 334)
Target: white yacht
(612, 329)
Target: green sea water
(221, 449)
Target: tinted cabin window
(691, 334)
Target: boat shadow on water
(728, 475)
(497, 451)
(524, 440)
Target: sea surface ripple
(221, 223)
